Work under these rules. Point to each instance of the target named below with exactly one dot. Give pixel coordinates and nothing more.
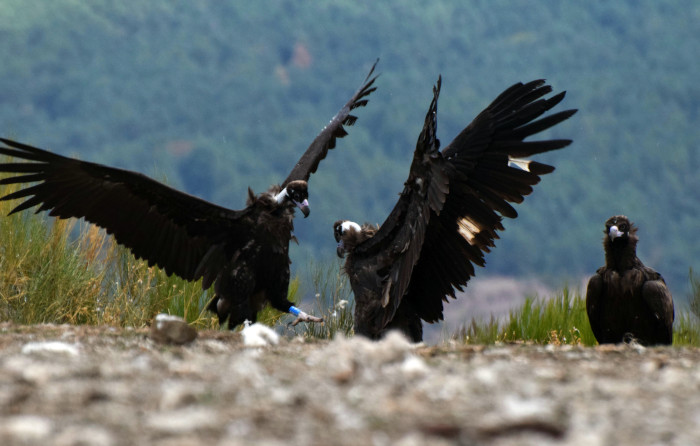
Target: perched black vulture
(448, 213)
(244, 253)
(626, 300)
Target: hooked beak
(614, 233)
(304, 206)
(340, 250)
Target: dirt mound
(68, 385)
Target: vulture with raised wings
(626, 300)
(243, 253)
(449, 211)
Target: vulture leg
(232, 297)
(302, 317)
(277, 296)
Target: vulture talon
(302, 317)
(306, 318)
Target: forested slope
(219, 96)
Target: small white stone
(50, 347)
(516, 408)
(183, 420)
(77, 435)
(414, 367)
(26, 428)
(259, 335)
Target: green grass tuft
(686, 329)
(479, 332)
(333, 302)
(54, 272)
(559, 320)
(563, 320)
(43, 275)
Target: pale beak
(340, 250)
(304, 206)
(614, 233)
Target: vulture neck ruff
(347, 225)
(621, 253)
(279, 198)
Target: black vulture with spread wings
(243, 253)
(626, 300)
(448, 213)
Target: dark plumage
(244, 253)
(448, 213)
(625, 299)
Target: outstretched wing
(483, 170)
(488, 170)
(398, 242)
(168, 228)
(325, 141)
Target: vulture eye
(623, 227)
(338, 233)
(298, 196)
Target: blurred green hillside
(219, 96)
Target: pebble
(28, 429)
(50, 348)
(183, 420)
(168, 329)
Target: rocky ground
(67, 385)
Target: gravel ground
(68, 385)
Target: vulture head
(296, 193)
(619, 231)
(620, 243)
(349, 234)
